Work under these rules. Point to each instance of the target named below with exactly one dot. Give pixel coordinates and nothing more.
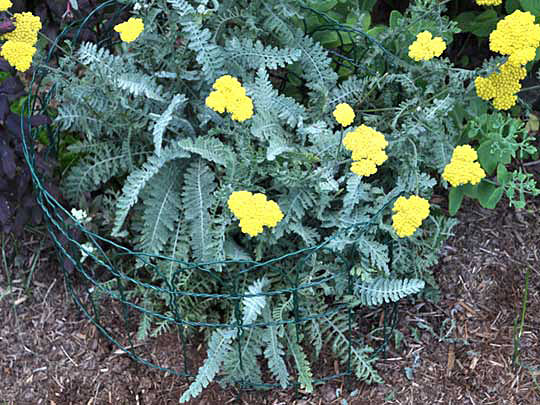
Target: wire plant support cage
(106, 301)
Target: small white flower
(137, 6)
(201, 9)
(86, 250)
(80, 215)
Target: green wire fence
(101, 290)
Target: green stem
(378, 109)
(524, 302)
(530, 88)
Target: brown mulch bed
(458, 351)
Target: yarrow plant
(426, 47)
(489, 2)
(254, 211)
(5, 5)
(517, 36)
(229, 95)
(409, 214)
(19, 48)
(213, 148)
(344, 114)
(463, 168)
(367, 146)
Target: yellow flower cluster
(18, 54)
(489, 2)
(19, 48)
(425, 47)
(254, 211)
(516, 36)
(409, 214)
(367, 146)
(130, 30)
(501, 86)
(5, 4)
(462, 168)
(344, 114)
(229, 95)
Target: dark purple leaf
(4, 108)
(7, 158)
(7, 228)
(38, 120)
(6, 25)
(22, 185)
(28, 201)
(5, 213)
(37, 215)
(41, 11)
(12, 85)
(87, 35)
(13, 124)
(5, 66)
(21, 219)
(4, 184)
(57, 8)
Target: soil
(462, 350)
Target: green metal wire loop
(62, 227)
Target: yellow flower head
(367, 146)
(501, 86)
(517, 36)
(254, 211)
(241, 108)
(462, 168)
(364, 167)
(228, 84)
(409, 214)
(489, 2)
(18, 54)
(130, 30)
(229, 95)
(5, 4)
(425, 47)
(344, 114)
(27, 27)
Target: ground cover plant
(220, 135)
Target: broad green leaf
(489, 195)
(481, 24)
(455, 198)
(502, 173)
(487, 160)
(511, 5)
(531, 5)
(324, 5)
(495, 197)
(395, 18)
(470, 191)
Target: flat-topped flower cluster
(409, 214)
(254, 211)
(230, 96)
(367, 146)
(426, 47)
(463, 167)
(516, 36)
(19, 48)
